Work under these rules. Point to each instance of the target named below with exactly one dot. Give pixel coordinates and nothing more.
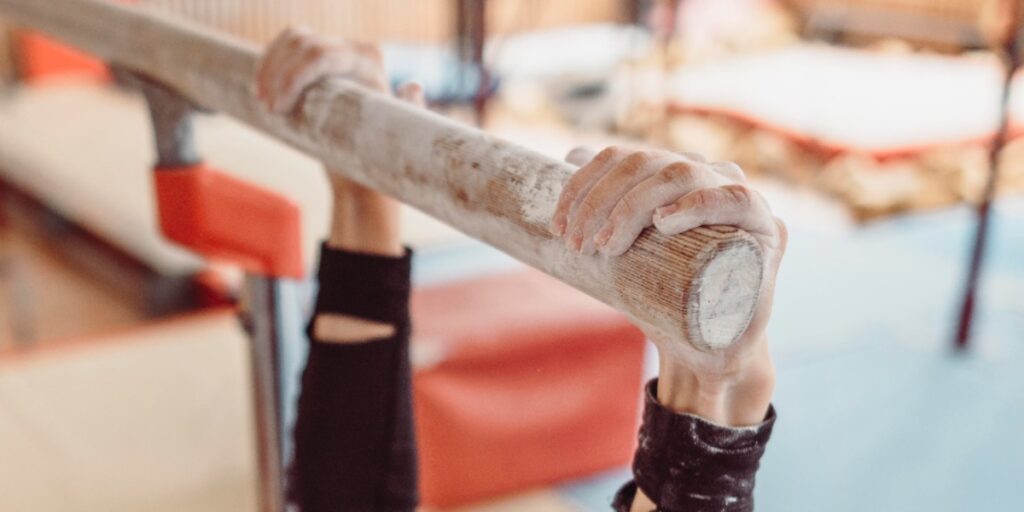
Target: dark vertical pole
(479, 36)
(632, 11)
(471, 37)
(1007, 51)
(4, 221)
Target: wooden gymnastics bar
(700, 286)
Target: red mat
(535, 383)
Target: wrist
(364, 220)
(737, 397)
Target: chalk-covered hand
(619, 192)
(363, 220)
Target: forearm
(735, 397)
(363, 220)
(686, 463)
(354, 441)
(702, 436)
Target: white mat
(154, 419)
(876, 102)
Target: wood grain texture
(700, 286)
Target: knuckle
(296, 41)
(607, 154)
(703, 199)
(636, 160)
(286, 35)
(739, 194)
(676, 172)
(316, 52)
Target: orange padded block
(533, 383)
(223, 217)
(42, 58)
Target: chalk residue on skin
(318, 103)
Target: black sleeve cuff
(355, 445)
(684, 462)
(367, 286)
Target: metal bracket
(172, 117)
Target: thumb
(580, 155)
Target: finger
(580, 155)
(368, 69)
(732, 205)
(296, 74)
(783, 235)
(579, 184)
(326, 58)
(268, 64)
(594, 209)
(728, 169)
(286, 60)
(635, 210)
(412, 92)
(277, 52)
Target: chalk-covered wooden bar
(701, 285)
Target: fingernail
(558, 226)
(665, 211)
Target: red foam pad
(223, 217)
(536, 384)
(41, 59)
